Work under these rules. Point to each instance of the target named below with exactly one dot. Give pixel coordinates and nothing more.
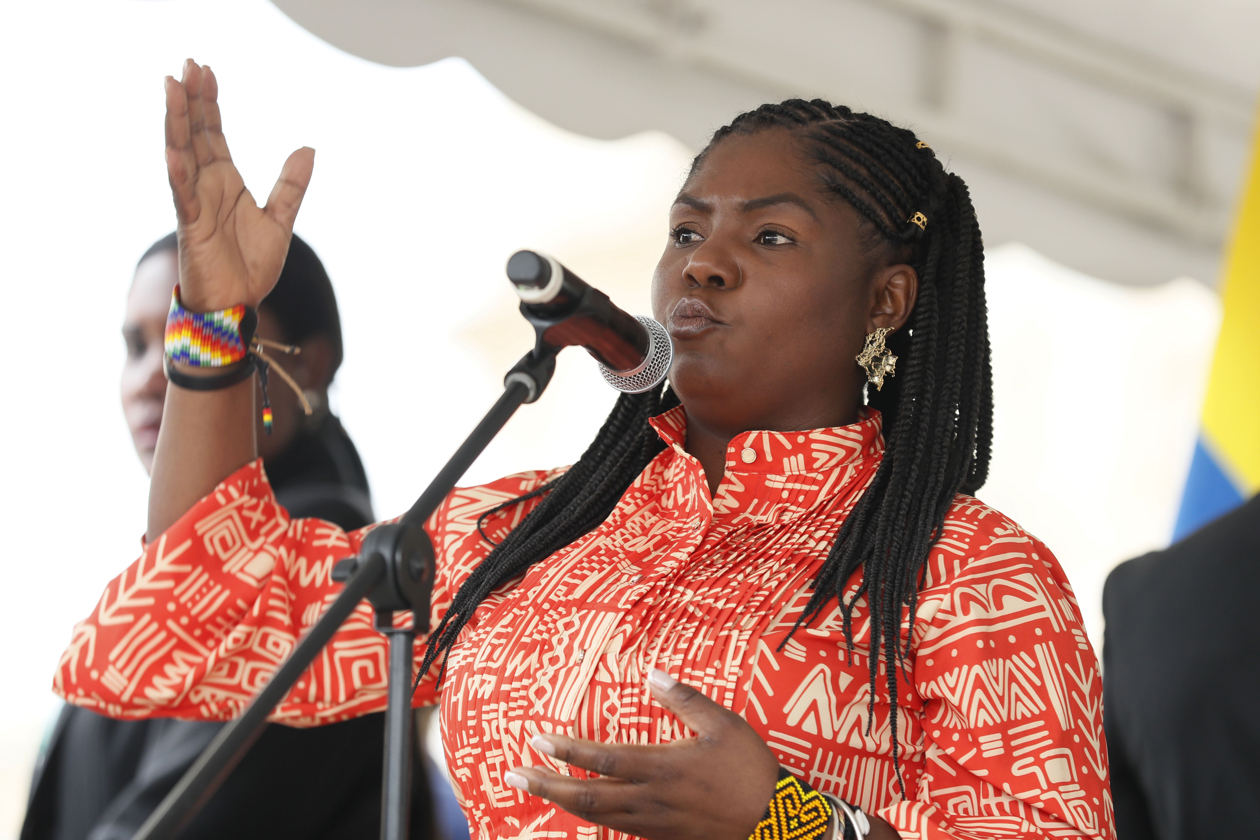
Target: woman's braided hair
(937, 410)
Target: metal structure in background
(1164, 121)
(1106, 156)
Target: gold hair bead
(920, 220)
(922, 145)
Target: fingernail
(516, 780)
(544, 746)
(659, 679)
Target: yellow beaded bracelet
(796, 812)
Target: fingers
(181, 164)
(596, 800)
(631, 762)
(193, 79)
(214, 120)
(176, 114)
(697, 712)
(286, 195)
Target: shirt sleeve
(1012, 696)
(198, 624)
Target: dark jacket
(1181, 678)
(100, 778)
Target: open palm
(230, 249)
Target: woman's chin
(703, 382)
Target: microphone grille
(655, 367)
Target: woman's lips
(690, 318)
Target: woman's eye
(772, 237)
(684, 236)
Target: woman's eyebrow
(779, 198)
(694, 203)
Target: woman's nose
(712, 265)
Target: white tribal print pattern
(1000, 716)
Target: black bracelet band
(210, 383)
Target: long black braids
(574, 504)
(937, 410)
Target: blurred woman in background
(99, 779)
(311, 457)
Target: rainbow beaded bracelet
(222, 339)
(208, 339)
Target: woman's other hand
(230, 249)
(715, 786)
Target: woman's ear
(895, 288)
(312, 368)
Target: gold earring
(875, 358)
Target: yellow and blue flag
(1225, 470)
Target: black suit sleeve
(1133, 814)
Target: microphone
(634, 354)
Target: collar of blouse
(773, 476)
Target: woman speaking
(763, 603)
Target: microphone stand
(394, 571)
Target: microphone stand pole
(394, 571)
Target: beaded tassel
(262, 380)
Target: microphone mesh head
(655, 367)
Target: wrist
(185, 369)
(213, 302)
(198, 299)
(196, 378)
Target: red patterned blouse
(1000, 711)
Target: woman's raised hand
(230, 249)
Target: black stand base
(396, 793)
